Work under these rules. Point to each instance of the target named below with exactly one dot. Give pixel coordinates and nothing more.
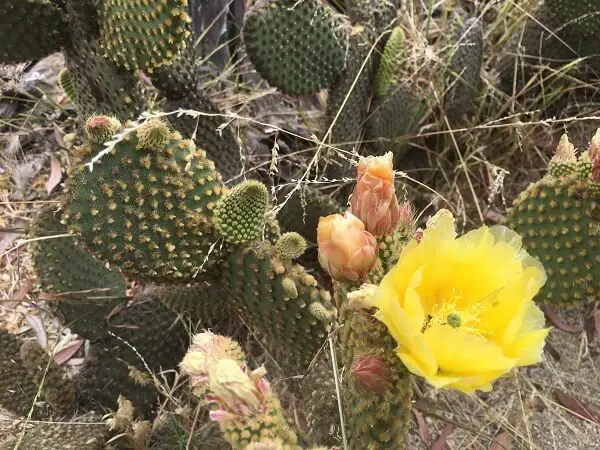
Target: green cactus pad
(102, 87)
(379, 15)
(87, 432)
(30, 29)
(303, 209)
(17, 389)
(114, 367)
(63, 265)
(202, 301)
(385, 72)
(392, 117)
(56, 389)
(254, 278)
(298, 47)
(147, 210)
(240, 214)
(66, 83)
(580, 17)
(558, 220)
(141, 34)
(464, 70)
(351, 96)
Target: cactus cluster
(559, 219)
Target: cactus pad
(139, 34)
(255, 279)
(66, 83)
(395, 115)
(56, 389)
(558, 219)
(240, 214)
(391, 52)
(298, 47)
(29, 29)
(465, 67)
(147, 209)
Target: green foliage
(299, 47)
(55, 388)
(559, 220)
(138, 34)
(159, 199)
(240, 214)
(30, 29)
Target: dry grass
(474, 167)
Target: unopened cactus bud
(153, 134)
(346, 250)
(565, 151)
(406, 221)
(99, 129)
(596, 169)
(371, 373)
(374, 199)
(290, 245)
(594, 148)
(233, 387)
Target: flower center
(447, 313)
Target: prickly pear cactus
(559, 219)
(146, 204)
(30, 29)
(138, 34)
(299, 47)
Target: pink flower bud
(596, 169)
(374, 199)
(346, 251)
(371, 373)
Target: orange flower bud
(371, 373)
(374, 199)
(346, 251)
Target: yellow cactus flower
(461, 309)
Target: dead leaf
(38, 327)
(502, 442)
(441, 440)
(55, 175)
(558, 321)
(22, 292)
(577, 408)
(58, 136)
(67, 353)
(423, 428)
(592, 325)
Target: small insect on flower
(461, 309)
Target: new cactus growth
(240, 214)
(558, 219)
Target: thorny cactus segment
(347, 252)
(17, 389)
(141, 34)
(273, 296)
(378, 15)
(87, 432)
(55, 388)
(290, 245)
(240, 214)
(30, 29)
(100, 129)
(298, 47)
(374, 199)
(464, 70)
(385, 71)
(147, 209)
(62, 264)
(559, 219)
(67, 84)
